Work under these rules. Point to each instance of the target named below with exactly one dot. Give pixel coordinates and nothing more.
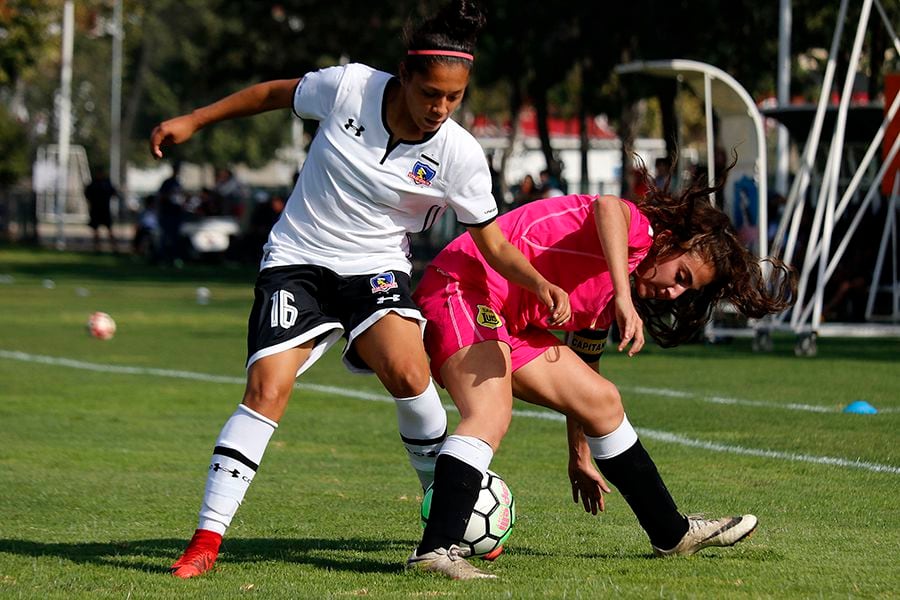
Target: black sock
(456, 488)
(637, 479)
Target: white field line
(665, 392)
(662, 436)
(674, 438)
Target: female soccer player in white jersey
(386, 161)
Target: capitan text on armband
(588, 344)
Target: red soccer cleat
(493, 554)
(200, 555)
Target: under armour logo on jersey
(357, 130)
(383, 299)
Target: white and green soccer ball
(492, 519)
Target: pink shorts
(460, 315)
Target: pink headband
(452, 53)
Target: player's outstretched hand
(174, 131)
(557, 300)
(588, 485)
(631, 326)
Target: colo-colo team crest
(383, 282)
(421, 174)
(486, 317)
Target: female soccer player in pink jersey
(489, 342)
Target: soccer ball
(492, 518)
(101, 326)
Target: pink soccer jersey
(558, 236)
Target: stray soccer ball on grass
(492, 519)
(101, 326)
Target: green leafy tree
(13, 153)
(23, 36)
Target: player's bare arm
(258, 98)
(509, 262)
(612, 219)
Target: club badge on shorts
(383, 282)
(486, 317)
(421, 174)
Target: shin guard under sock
(422, 422)
(235, 460)
(456, 488)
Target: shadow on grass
(612, 554)
(146, 555)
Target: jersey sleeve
(470, 190)
(316, 93)
(640, 235)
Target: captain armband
(588, 344)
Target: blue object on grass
(860, 407)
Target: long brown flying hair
(687, 222)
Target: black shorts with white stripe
(295, 304)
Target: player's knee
(263, 396)
(606, 403)
(405, 378)
(490, 428)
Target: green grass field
(104, 448)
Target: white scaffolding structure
(831, 204)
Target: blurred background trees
(556, 57)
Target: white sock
(235, 460)
(474, 452)
(615, 443)
(422, 422)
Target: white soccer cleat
(701, 533)
(449, 563)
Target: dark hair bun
(455, 27)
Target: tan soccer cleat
(449, 563)
(701, 533)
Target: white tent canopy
(740, 127)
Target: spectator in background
(266, 211)
(496, 183)
(663, 176)
(171, 215)
(233, 192)
(550, 185)
(99, 192)
(208, 203)
(526, 192)
(146, 231)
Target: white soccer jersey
(357, 198)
